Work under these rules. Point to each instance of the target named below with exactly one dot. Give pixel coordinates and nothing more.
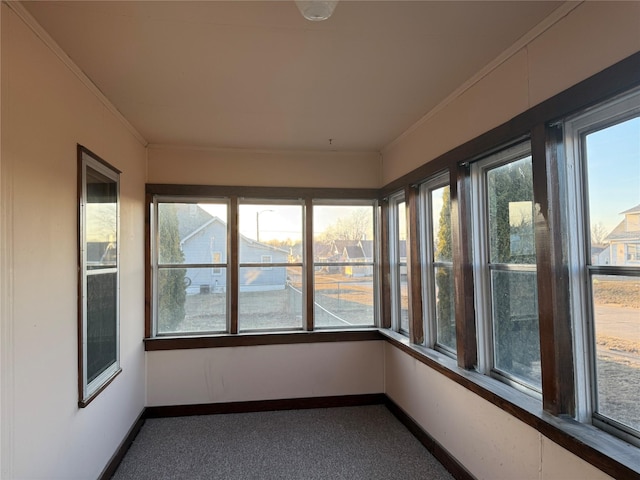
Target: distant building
(203, 240)
(624, 241)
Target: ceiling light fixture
(316, 10)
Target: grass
(622, 293)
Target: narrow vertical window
(604, 153)
(344, 256)
(190, 260)
(98, 319)
(271, 259)
(438, 262)
(505, 255)
(398, 263)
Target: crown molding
(19, 9)
(553, 18)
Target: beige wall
(590, 38)
(261, 168)
(183, 377)
(488, 441)
(46, 111)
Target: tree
(172, 292)
(358, 225)
(445, 309)
(598, 234)
(511, 239)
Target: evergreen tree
(445, 309)
(515, 321)
(171, 281)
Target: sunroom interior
(70, 76)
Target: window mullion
(556, 344)
(234, 267)
(385, 265)
(466, 335)
(414, 279)
(308, 287)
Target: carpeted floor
(333, 443)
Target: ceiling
(240, 74)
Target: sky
(278, 222)
(613, 171)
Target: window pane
(343, 293)
(270, 298)
(445, 308)
(102, 321)
(100, 220)
(191, 300)
(192, 233)
(342, 232)
(441, 220)
(270, 229)
(613, 172)
(404, 299)
(344, 299)
(398, 259)
(510, 215)
(515, 325)
(616, 303)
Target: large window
(190, 254)
(398, 263)
(437, 273)
(233, 264)
(505, 257)
(604, 156)
(344, 264)
(98, 351)
(271, 285)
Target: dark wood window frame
(553, 416)
(305, 196)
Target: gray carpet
(351, 443)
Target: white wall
(593, 36)
(216, 375)
(263, 168)
(488, 441)
(46, 111)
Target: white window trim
(377, 293)
(395, 264)
(481, 268)
(622, 108)
(427, 241)
(89, 389)
(154, 247)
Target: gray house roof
(353, 252)
(635, 209)
(621, 231)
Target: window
(344, 256)
(223, 263)
(271, 265)
(505, 273)
(98, 319)
(190, 266)
(603, 150)
(398, 263)
(438, 265)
